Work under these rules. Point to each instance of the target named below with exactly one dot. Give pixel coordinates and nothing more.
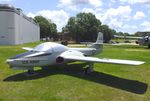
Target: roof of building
(11, 8)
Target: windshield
(50, 47)
(43, 47)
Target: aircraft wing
(70, 56)
(36, 54)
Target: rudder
(98, 45)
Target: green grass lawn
(109, 82)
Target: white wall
(7, 28)
(26, 31)
(15, 29)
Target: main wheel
(30, 71)
(44, 68)
(88, 70)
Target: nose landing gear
(30, 73)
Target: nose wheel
(30, 73)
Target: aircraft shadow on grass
(75, 70)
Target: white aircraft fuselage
(46, 54)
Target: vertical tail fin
(99, 38)
(98, 45)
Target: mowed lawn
(109, 82)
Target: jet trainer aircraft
(145, 41)
(50, 53)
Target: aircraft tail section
(99, 38)
(98, 45)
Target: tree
(138, 34)
(71, 27)
(83, 27)
(108, 33)
(120, 34)
(47, 28)
(53, 27)
(44, 26)
(126, 34)
(113, 32)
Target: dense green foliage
(47, 28)
(108, 34)
(83, 27)
(109, 82)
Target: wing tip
(139, 63)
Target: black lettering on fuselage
(30, 61)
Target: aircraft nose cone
(9, 61)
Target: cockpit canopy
(50, 47)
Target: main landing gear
(89, 68)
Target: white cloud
(91, 10)
(126, 26)
(60, 18)
(5, 0)
(113, 1)
(115, 18)
(96, 3)
(31, 15)
(69, 3)
(122, 11)
(72, 2)
(115, 23)
(144, 1)
(88, 10)
(136, 1)
(65, 2)
(146, 25)
(139, 15)
(74, 8)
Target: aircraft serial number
(30, 61)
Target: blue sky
(122, 15)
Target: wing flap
(104, 60)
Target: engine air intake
(59, 60)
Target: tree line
(83, 27)
(47, 27)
